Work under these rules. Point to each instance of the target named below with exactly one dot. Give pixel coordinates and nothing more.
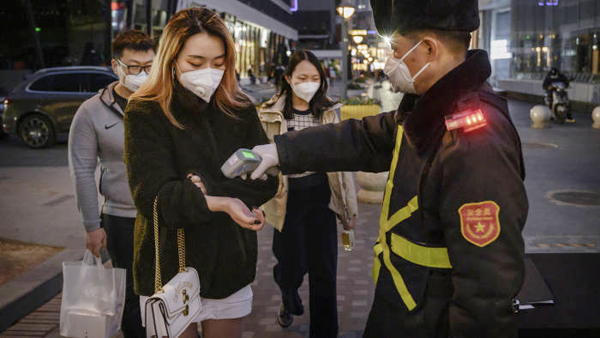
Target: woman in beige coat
(305, 208)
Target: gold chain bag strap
(175, 305)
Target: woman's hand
(197, 182)
(260, 216)
(238, 211)
(348, 225)
(351, 224)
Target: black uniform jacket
(159, 156)
(455, 189)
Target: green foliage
(359, 101)
(355, 86)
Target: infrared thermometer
(243, 161)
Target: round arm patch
(480, 222)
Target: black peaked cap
(403, 16)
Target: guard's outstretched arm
(351, 145)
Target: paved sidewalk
(355, 291)
(40, 323)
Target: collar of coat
(424, 123)
(184, 102)
(108, 99)
(272, 110)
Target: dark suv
(43, 105)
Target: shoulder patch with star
(480, 222)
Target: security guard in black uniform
(449, 257)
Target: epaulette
(467, 120)
(469, 116)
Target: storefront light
(545, 49)
(345, 9)
(357, 39)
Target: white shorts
(237, 305)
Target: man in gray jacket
(97, 135)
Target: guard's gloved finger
(261, 169)
(244, 176)
(269, 156)
(273, 171)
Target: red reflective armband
(468, 120)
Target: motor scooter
(559, 106)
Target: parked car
(43, 105)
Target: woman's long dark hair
(320, 102)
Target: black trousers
(389, 317)
(308, 244)
(119, 239)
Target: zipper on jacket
(102, 170)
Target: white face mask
(202, 82)
(306, 90)
(399, 73)
(131, 82)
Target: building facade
(49, 33)
(527, 38)
(494, 35)
(556, 33)
(316, 23)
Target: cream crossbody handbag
(175, 305)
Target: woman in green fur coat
(180, 127)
